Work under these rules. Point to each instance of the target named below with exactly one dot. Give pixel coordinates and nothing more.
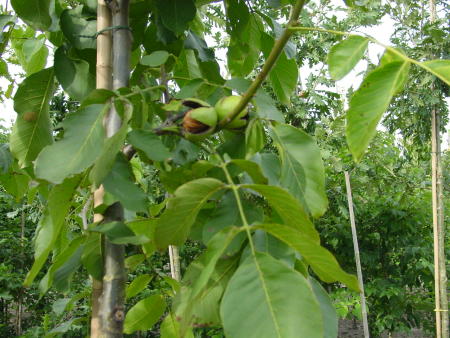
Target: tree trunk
(113, 297)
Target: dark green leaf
(253, 169)
(321, 260)
(176, 14)
(78, 29)
(182, 209)
(34, 13)
(150, 144)
(290, 211)
(73, 75)
(92, 258)
(302, 171)
(120, 183)
(119, 233)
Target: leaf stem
(270, 62)
(235, 189)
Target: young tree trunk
(357, 259)
(113, 297)
(103, 81)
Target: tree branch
(270, 62)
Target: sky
(381, 33)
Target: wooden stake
(357, 259)
(103, 81)
(440, 273)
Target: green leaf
(120, 184)
(119, 233)
(182, 209)
(155, 59)
(439, 68)
(170, 328)
(144, 314)
(51, 223)
(176, 14)
(252, 169)
(34, 13)
(368, 104)
(150, 144)
(92, 258)
(79, 28)
(275, 301)
(32, 130)
(321, 260)
(132, 262)
(255, 138)
(390, 56)
(137, 285)
(329, 316)
(80, 147)
(284, 74)
(216, 248)
(290, 211)
(345, 55)
(64, 273)
(145, 227)
(59, 261)
(34, 55)
(111, 147)
(302, 171)
(73, 75)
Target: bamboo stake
(357, 259)
(113, 296)
(440, 273)
(103, 81)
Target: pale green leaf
(302, 171)
(368, 104)
(32, 130)
(137, 285)
(320, 259)
(80, 147)
(329, 316)
(35, 55)
(182, 209)
(51, 223)
(344, 56)
(255, 138)
(155, 59)
(144, 314)
(440, 68)
(265, 298)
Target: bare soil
(354, 329)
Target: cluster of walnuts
(202, 119)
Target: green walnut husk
(195, 103)
(225, 106)
(199, 123)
